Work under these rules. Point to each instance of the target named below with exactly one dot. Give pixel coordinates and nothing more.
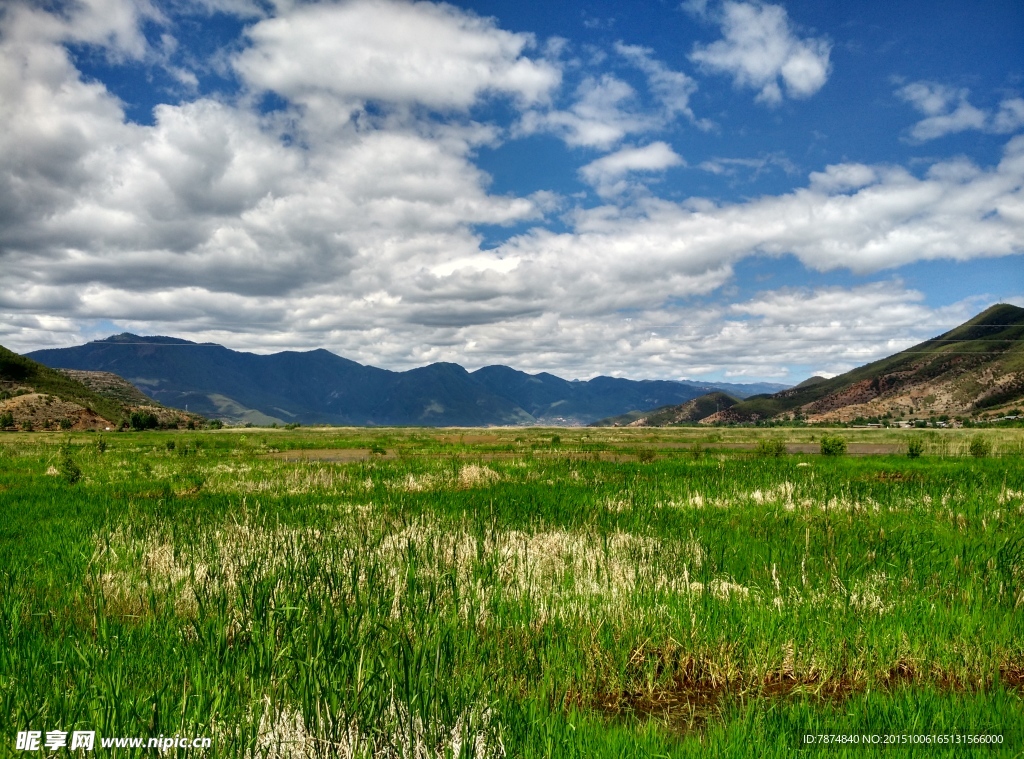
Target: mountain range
(320, 387)
(976, 368)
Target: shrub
(556, 440)
(646, 455)
(170, 445)
(832, 445)
(980, 447)
(64, 423)
(915, 447)
(697, 451)
(101, 445)
(377, 450)
(215, 424)
(6, 419)
(770, 447)
(26, 425)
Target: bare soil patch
(47, 412)
(331, 455)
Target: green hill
(20, 375)
(36, 397)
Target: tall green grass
(473, 594)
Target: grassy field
(520, 593)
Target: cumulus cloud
(115, 25)
(823, 331)
(760, 49)
(605, 109)
(607, 174)
(391, 51)
(948, 111)
(865, 219)
(221, 222)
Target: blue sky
(707, 190)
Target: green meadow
(515, 592)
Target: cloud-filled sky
(709, 190)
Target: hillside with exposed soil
(976, 367)
(34, 397)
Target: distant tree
(143, 420)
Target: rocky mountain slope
(36, 397)
(975, 367)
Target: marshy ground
(585, 592)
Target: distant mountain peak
(127, 338)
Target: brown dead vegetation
(690, 701)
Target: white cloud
(756, 166)
(218, 222)
(889, 219)
(391, 51)
(760, 48)
(1010, 117)
(836, 329)
(948, 111)
(843, 177)
(605, 111)
(607, 174)
(113, 24)
(671, 88)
